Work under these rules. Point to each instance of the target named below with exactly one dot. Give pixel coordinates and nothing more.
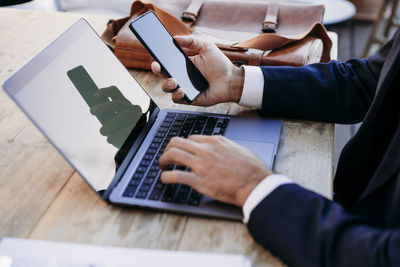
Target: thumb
(192, 43)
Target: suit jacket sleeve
(330, 92)
(306, 229)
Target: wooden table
(42, 197)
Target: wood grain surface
(42, 197)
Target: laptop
(105, 125)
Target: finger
(112, 92)
(179, 177)
(121, 120)
(169, 85)
(118, 138)
(183, 144)
(192, 43)
(156, 69)
(110, 107)
(204, 138)
(178, 96)
(176, 156)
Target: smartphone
(165, 50)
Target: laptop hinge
(132, 152)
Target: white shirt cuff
(253, 87)
(261, 191)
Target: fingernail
(171, 84)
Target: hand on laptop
(225, 79)
(219, 167)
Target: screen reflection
(85, 102)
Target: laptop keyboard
(145, 182)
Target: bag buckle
(188, 17)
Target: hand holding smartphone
(166, 51)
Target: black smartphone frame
(163, 69)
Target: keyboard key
(134, 182)
(175, 128)
(177, 124)
(226, 121)
(154, 145)
(163, 129)
(170, 193)
(168, 119)
(184, 132)
(193, 202)
(167, 139)
(196, 132)
(129, 191)
(155, 167)
(171, 115)
(194, 198)
(157, 140)
(195, 194)
(151, 151)
(155, 194)
(220, 124)
(148, 157)
(145, 163)
(138, 175)
(189, 123)
(141, 194)
(208, 132)
(181, 117)
(152, 174)
(141, 169)
(184, 135)
(173, 133)
(193, 116)
(211, 122)
(180, 199)
(159, 185)
(184, 189)
(161, 134)
(164, 146)
(166, 124)
(145, 188)
(149, 181)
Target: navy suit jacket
(361, 227)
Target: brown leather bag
(248, 33)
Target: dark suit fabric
(361, 227)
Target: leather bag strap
(192, 11)
(270, 23)
(270, 41)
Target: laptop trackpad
(265, 151)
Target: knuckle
(219, 139)
(174, 177)
(174, 150)
(173, 142)
(212, 139)
(204, 150)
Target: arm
(332, 92)
(313, 231)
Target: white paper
(35, 253)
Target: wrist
(246, 190)
(236, 82)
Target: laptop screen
(84, 100)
